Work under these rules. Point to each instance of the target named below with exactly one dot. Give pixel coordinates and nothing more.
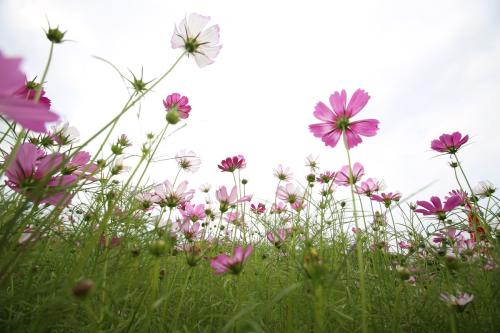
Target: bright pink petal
(357, 102)
(11, 78)
(367, 127)
(332, 138)
(28, 114)
(322, 112)
(319, 130)
(338, 102)
(353, 139)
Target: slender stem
(359, 249)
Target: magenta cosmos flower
(338, 121)
(435, 207)
(28, 91)
(449, 143)
(386, 198)
(344, 177)
(177, 108)
(18, 108)
(197, 41)
(259, 209)
(232, 164)
(29, 171)
(226, 264)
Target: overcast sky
(431, 67)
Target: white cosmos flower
(191, 36)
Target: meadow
(88, 244)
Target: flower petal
(367, 127)
(357, 102)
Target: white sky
(431, 67)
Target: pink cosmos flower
(338, 122)
(190, 231)
(170, 197)
(278, 208)
(79, 166)
(404, 245)
(26, 112)
(188, 161)
(343, 176)
(227, 200)
(232, 164)
(147, 200)
(325, 177)
(177, 108)
(459, 302)
(193, 213)
(259, 209)
(278, 237)
(234, 264)
(30, 167)
(202, 44)
(28, 91)
(386, 198)
(369, 186)
(435, 207)
(449, 143)
(232, 217)
(289, 193)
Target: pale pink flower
(278, 208)
(190, 231)
(278, 237)
(26, 112)
(191, 36)
(435, 207)
(449, 143)
(338, 122)
(369, 186)
(227, 200)
(188, 161)
(289, 193)
(232, 217)
(344, 177)
(312, 162)
(147, 200)
(459, 301)
(234, 264)
(170, 197)
(205, 187)
(283, 174)
(386, 198)
(232, 164)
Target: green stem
(359, 249)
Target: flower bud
(55, 35)
(173, 116)
(158, 247)
(83, 287)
